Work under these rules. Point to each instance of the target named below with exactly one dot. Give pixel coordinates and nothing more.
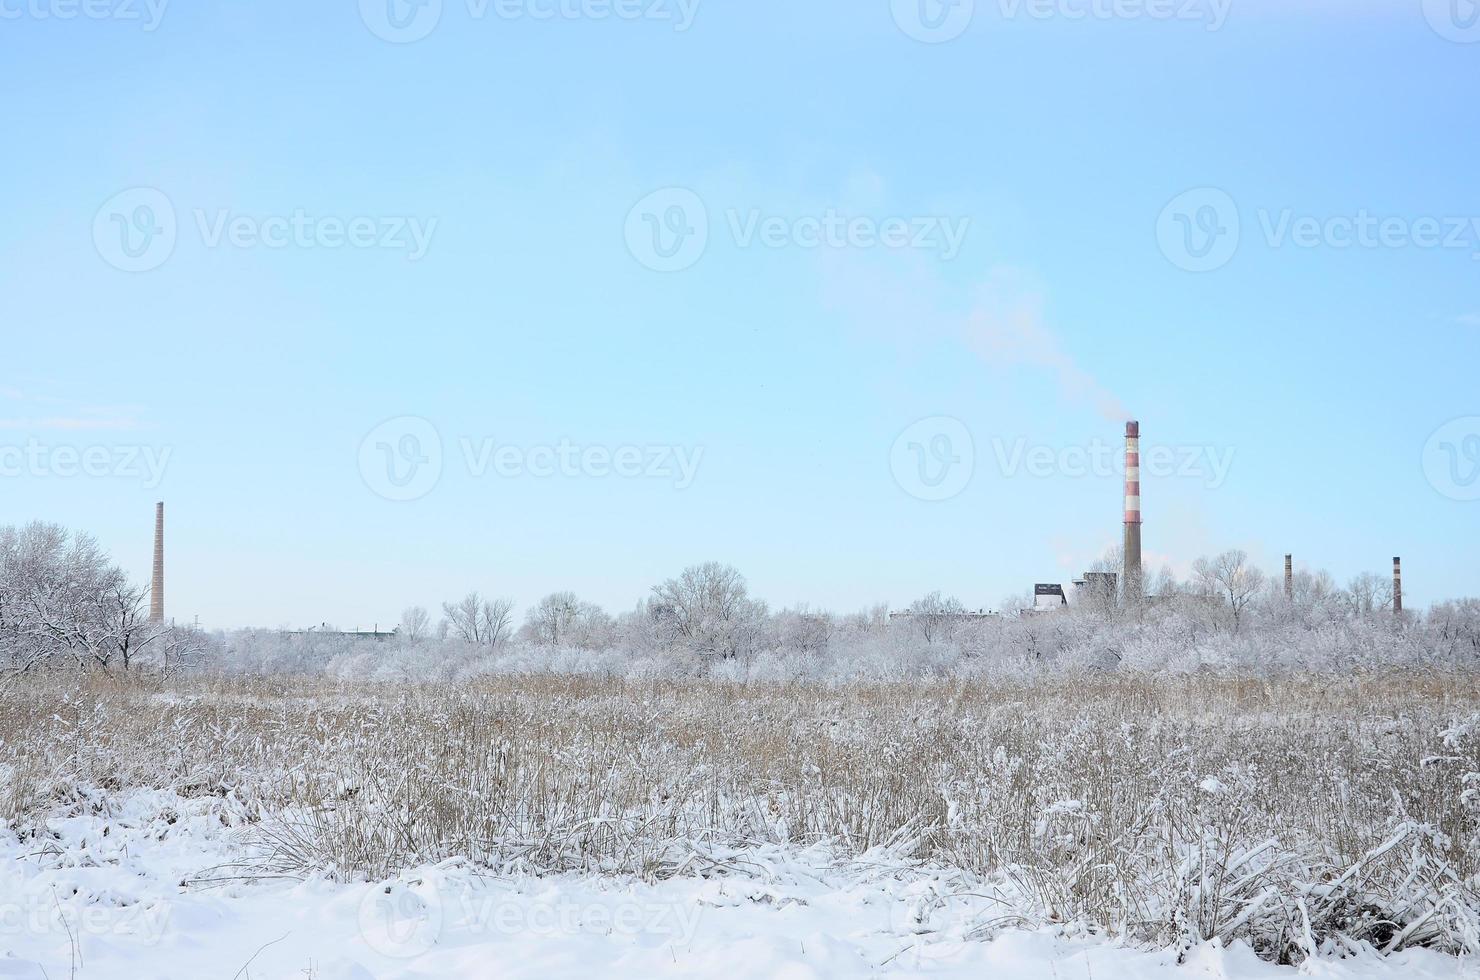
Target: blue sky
(1087, 164)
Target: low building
(1048, 597)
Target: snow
(147, 884)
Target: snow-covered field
(141, 888)
(551, 826)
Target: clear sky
(856, 296)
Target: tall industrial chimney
(1132, 577)
(156, 592)
(1397, 586)
(1289, 578)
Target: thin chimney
(1290, 578)
(1397, 586)
(156, 591)
(1132, 577)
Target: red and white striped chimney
(1132, 578)
(1397, 586)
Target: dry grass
(1300, 814)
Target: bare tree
(936, 617)
(1367, 594)
(498, 621)
(461, 620)
(1231, 576)
(562, 618)
(416, 624)
(473, 619)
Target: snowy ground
(128, 891)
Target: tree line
(63, 603)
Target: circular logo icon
(668, 230)
(1198, 230)
(933, 459)
(134, 230)
(920, 919)
(1451, 459)
(933, 21)
(401, 21)
(401, 459)
(400, 920)
(1454, 20)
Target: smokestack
(1132, 577)
(1289, 578)
(156, 592)
(1397, 586)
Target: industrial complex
(1104, 588)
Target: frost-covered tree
(564, 619)
(416, 624)
(803, 631)
(1231, 576)
(482, 622)
(64, 603)
(1368, 594)
(936, 617)
(708, 611)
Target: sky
(390, 302)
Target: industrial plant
(1102, 589)
(1128, 588)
